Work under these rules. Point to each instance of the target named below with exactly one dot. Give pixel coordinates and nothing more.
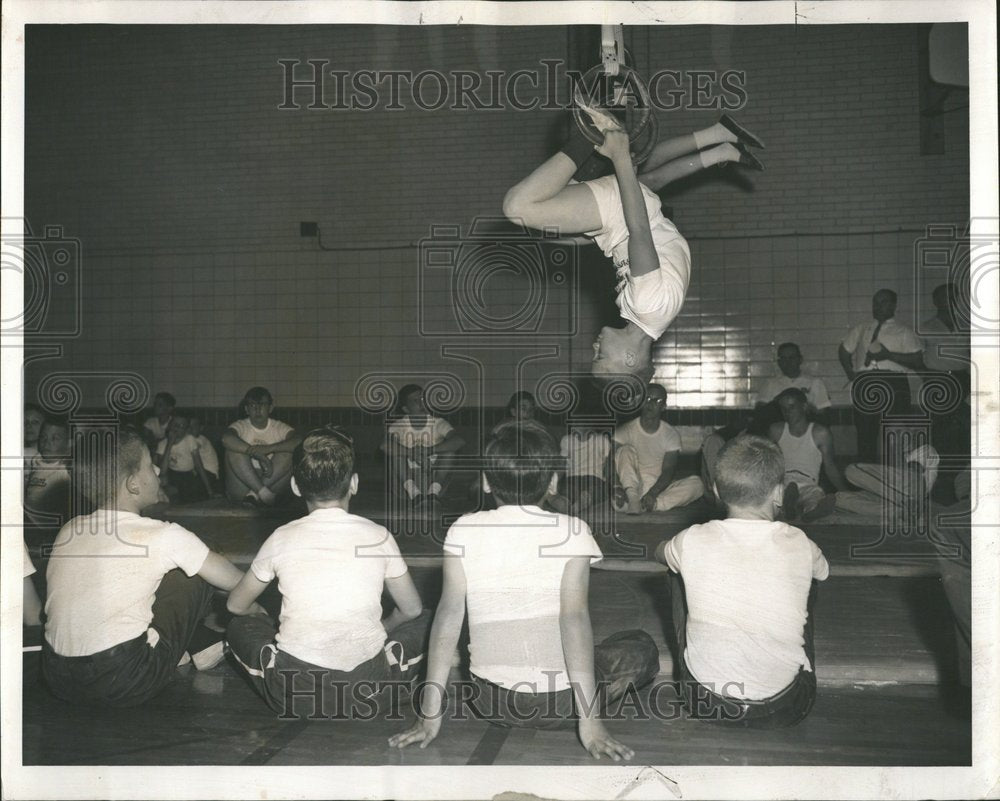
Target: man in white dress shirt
(890, 349)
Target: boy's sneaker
(208, 658)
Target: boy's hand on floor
(423, 732)
(598, 742)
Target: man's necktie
(868, 358)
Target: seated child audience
(258, 452)
(206, 450)
(646, 453)
(163, 410)
(523, 574)
(178, 458)
(420, 448)
(742, 610)
(47, 487)
(331, 567)
(806, 448)
(33, 419)
(590, 471)
(127, 594)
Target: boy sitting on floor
(178, 457)
(331, 567)
(524, 574)
(258, 452)
(127, 594)
(46, 487)
(745, 633)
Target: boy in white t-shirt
(126, 594)
(523, 574)
(330, 648)
(178, 456)
(33, 419)
(622, 213)
(258, 452)
(47, 484)
(742, 612)
(420, 448)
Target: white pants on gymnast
(679, 493)
(878, 484)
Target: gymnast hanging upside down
(621, 212)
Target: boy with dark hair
(127, 594)
(420, 448)
(330, 646)
(33, 419)
(806, 448)
(524, 575)
(163, 410)
(47, 483)
(178, 458)
(258, 452)
(741, 614)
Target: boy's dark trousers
(623, 662)
(299, 689)
(189, 485)
(132, 672)
(786, 708)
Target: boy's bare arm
(641, 252)
(443, 641)
(578, 650)
(243, 598)
(232, 441)
(451, 443)
(407, 599)
(199, 467)
(824, 441)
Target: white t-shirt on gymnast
(654, 299)
(513, 558)
(103, 575)
(331, 567)
(747, 587)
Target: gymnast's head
(623, 351)
(323, 474)
(521, 465)
(749, 477)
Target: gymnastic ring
(590, 77)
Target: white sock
(411, 488)
(718, 154)
(434, 489)
(266, 495)
(712, 135)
